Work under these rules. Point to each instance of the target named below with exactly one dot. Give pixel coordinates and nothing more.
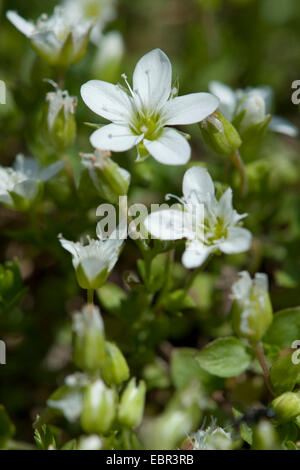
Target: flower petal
(114, 137)
(152, 79)
(107, 100)
(26, 27)
(169, 224)
(197, 185)
(238, 240)
(189, 109)
(171, 148)
(283, 126)
(227, 97)
(195, 254)
(50, 171)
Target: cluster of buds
(101, 406)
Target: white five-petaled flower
(23, 180)
(93, 261)
(59, 39)
(141, 116)
(219, 229)
(257, 104)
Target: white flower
(93, 261)
(59, 100)
(141, 115)
(219, 229)
(23, 180)
(212, 438)
(100, 11)
(58, 39)
(257, 102)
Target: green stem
(259, 350)
(239, 165)
(90, 296)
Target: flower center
(215, 230)
(145, 123)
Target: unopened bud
(110, 180)
(265, 436)
(287, 406)
(132, 404)
(115, 369)
(99, 408)
(251, 119)
(88, 339)
(219, 134)
(60, 119)
(252, 309)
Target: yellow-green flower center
(215, 230)
(147, 124)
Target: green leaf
(285, 374)
(7, 428)
(184, 367)
(225, 357)
(153, 271)
(285, 328)
(178, 300)
(245, 430)
(70, 445)
(111, 297)
(44, 437)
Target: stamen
(127, 83)
(170, 196)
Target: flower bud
(265, 436)
(115, 369)
(219, 134)
(252, 310)
(60, 120)
(287, 406)
(212, 438)
(110, 180)
(92, 442)
(251, 119)
(132, 404)
(99, 408)
(89, 274)
(88, 339)
(107, 60)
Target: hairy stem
(259, 350)
(239, 165)
(90, 296)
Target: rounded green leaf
(285, 328)
(225, 357)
